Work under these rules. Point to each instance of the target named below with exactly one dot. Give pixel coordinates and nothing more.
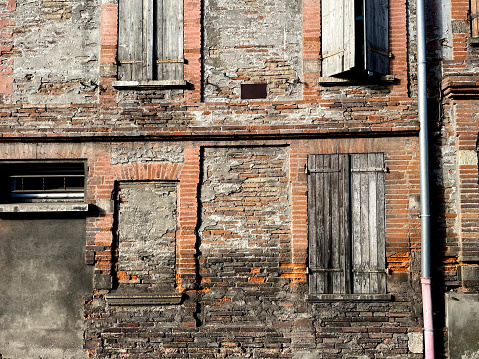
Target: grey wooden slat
(376, 19)
(365, 255)
(336, 242)
(148, 37)
(345, 234)
(312, 225)
(169, 39)
(381, 225)
(326, 244)
(373, 219)
(337, 36)
(130, 40)
(356, 222)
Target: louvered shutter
(377, 40)
(329, 234)
(368, 223)
(131, 47)
(337, 36)
(169, 50)
(475, 17)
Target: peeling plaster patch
(415, 343)
(145, 154)
(470, 355)
(468, 158)
(57, 47)
(252, 41)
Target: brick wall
(238, 284)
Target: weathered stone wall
(256, 41)
(56, 47)
(236, 222)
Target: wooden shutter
(475, 17)
(169, 47)
(337, 36)
(377, 39)
(130, 40)
(150, 40)
(329, 234)
(368, 223)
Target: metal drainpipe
(424, 179)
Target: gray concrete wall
(463, 325)
(43, 288)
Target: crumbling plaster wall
(252, 41)
(56, 46)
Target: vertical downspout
(424, 179)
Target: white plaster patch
(468, 157)
(415, 343)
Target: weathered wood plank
(130, 40)
(170, 40)
(381, 225)
(345, 215)
(475, 18)
(356, 223)
(312, 222)
(376, 17)
(373, 219)
(337, 36)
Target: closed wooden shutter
(377, 40)
(475, 17)
(337, 36)
(368, 223)
(169, 51)
(346, 213)
(131, 55)
(150, 40)
(328, 208)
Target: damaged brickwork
(196, 198)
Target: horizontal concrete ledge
(349, 297)
(43, 207)
(148, 85)
(336, 81)
(143, 299)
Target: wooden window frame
(354, 40)
(150, 44)
(347, 257)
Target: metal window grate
(46, 180)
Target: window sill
(43, 207)
(149, 85)
(143, 299)
(336, 81)
(474, 41)
(349, 297)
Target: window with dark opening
(32, 181)
(354, 37)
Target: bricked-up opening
(253, 91)
(33, 181)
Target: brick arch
(148, 171)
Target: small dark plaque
(250, 91)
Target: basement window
(32, 181)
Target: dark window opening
(42, 181)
